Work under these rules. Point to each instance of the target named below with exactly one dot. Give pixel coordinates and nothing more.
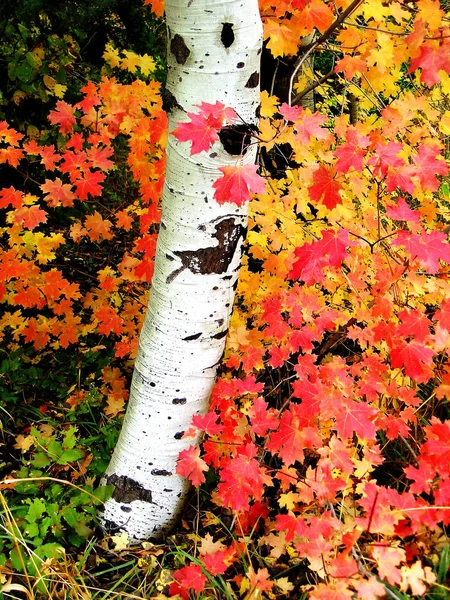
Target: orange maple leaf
(97, 227)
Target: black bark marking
(253, 80)
(126, 508)
(179, 435)
(126, 489)
(240, 65)
(214, 259)
(179, 49)
(161, 472)
(195, 336)
(227, 34)
(169, 101)
(236, 138)
(179, 401)
(110, 527)
(220, 335)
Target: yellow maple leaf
(147, 64)
(282, 39)
(130, 62)
(268, 104)
(24, 442)
(111, 55)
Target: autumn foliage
(328, 430)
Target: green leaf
(104, 492)
(36, 510)
(40, 460)
(17, 559)
(69, 438)
(70, 456)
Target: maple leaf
(123, 220)
(351, 65)
(242, 478)
(317, 15)
(283, 40)
(191, 465)
(310, 126)
(325, 187)
(414, 323)
(99, 158)
(386, 156)
(422, 477)
(186, 579)
(402, 212)
(237, 183)
(90, 184)
(11, 196)
(49, 158)
(309, 264)
(30, 216)
(414, 357)
(218, 562)
(356, 417)
(58, 193)
(352, 152)
(64, 116)
(433, 58)
(262, 418)
(293, 436)
(428, 167)
(157, 6)
(203, 128)
(97, 227)
(109, 320)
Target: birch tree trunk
(213, 54)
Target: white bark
(197, 263)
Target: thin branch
(308, 49)
(296, 99)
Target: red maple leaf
(30, 216)
(325, 188)
(219, 562)
(386, 156)
(242, 479)
(309, 265)
(402, 212)
(187, 579)
(261, 417)
(293, 435)
(433, 58)
(443, 315)
(414, 323)
(356, 417)
(429, 248)
(11, 196)
(351, 65)
(310, 126)
(334, 244)
(414, 357)
(202, 129)
(58, 193)
(63, 116)
(428, 166)
(157, 6)
(49, 158)
(90, 184)
(109, 320)
(352, 152)
(191, 466)
(317, 15)
(237, 184)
